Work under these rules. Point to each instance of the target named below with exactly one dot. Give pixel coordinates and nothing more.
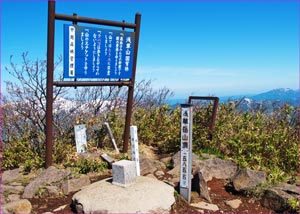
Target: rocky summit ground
(220, 195)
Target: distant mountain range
(268, 101)
(286, 95)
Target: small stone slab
(124, 173)
(199, 185)
(107, 158)
(234, 204)
(206, 206)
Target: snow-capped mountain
(267, 101)
(286, 95)
(270, 100)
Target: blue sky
(193, 48)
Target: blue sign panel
(97, 53)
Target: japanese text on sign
(80, 138)
(184, 146)
(97, 53)
(135, 148)
(184, 170)
(186, 151)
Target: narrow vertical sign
(135, 148)
(80, 138)
(186, 151)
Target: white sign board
(80, 138)
(186, 151)
(135, 148)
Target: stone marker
(124, 173)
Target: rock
(234, 204)
(13, 197)
(206, 206)
(11, 175)
(53, 191)
(21, 206)
(246, 179)
(150, 166)
(3, 210)
(60, 208)
(175, 173)
(218, 168)
(49, 176)
(89, 155)
(15, 184)
(145, 195)
(276, 198)
(159, 173)
(199, 185)
(288, 188)
(76, 184)
(208, 156)
(12, 189)
(166, 160)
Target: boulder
(216, 167)
(247, 179)
(11, 175)
(175, 160)
(12, 189)
(20, 206)
(199, 185)
(53, 191)
(49, 176)
(276, 198)
(150, 166)
(145, 195)
(166, 160)
(175, 174)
